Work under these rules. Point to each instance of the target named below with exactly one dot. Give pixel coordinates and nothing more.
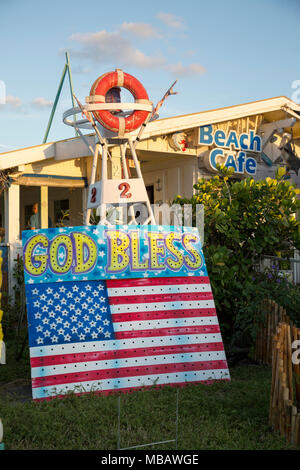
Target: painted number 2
(93, 194)
(124, 188)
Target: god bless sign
(119, 308)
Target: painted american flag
(110, 335)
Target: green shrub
(245, 219)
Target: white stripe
(154, 306)
(120, 81)
(95, 99)
(131, 343)
(148, 290)
(143, 101)
(115, 384)
(161, 323)
(202, 356)
(121, 127)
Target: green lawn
(232, 415)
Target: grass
(225, 415)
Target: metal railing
(291, 269)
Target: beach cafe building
(252, 138)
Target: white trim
(65, 149)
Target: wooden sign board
(118, 309)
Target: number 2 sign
(116, 191)
(124, 188)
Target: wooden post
(296, 367)
(44, 206)
(289, 362)
(297, 429)
(12, 229)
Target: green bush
(245, 219)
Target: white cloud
(41, 102)
(11, 103)
(143, 30)
(113, 48)
(15, 106)
(116, 49)
(189, 70)
(171, 20)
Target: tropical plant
(243, 220)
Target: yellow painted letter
(82, 242)
(176, 264)
(136, 264)
(195, 261)
(35, 264)
(118, 259)
(65, 241)
(155, 250)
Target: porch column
(12, 230)
(84, 203)
(12, 213)
(44, 206)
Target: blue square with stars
(69, 312)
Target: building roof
(272, 109)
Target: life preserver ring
(114, 123)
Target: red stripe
(176, 297)
(160, 281)
(124, 353)
(184, 330)
(163, 314)
(74, 377)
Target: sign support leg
(150, 443)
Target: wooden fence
(285, 389)
(275, 339)
(270, 315)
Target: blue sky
(221, 52)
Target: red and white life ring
(114, 123)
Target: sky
(222, 53)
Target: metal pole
(125, 169)
(177, 418)
(119, 419)
(103, 179)
(139, 174)
(71, 87)
(55, 103)
(92, 180)
(149, 443)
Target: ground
(225, 415)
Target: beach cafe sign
(230, 149)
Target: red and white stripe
(166, 332)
